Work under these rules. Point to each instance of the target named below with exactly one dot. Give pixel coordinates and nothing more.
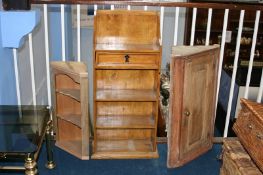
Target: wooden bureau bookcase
(70, 100)
(126, 84)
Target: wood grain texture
(136, 61)
(126, 95)
(125, 108)
(126, 27)
(126, 79)
(73, 70)
(73, 93)
(236, 160)
(70, 96)
(123, 134)
(130, 121)
(72, 118)
(192, 103)
(126, 84)
(249, 129)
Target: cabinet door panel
(197, 114)
(192, 102)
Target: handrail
(214, 5)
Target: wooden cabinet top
(122, 27)
(70, 67)
(184, 51)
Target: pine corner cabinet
(126, 84)
(70, 96)
(192, 102)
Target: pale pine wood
(126, 84)
(126, 79)
(123, 134)
(70, 95)
(73, 70)
(193, 90)
(136, 61)
(125, 121)
(128, 48)
(126, 27)
(125, 108)
(126, 95)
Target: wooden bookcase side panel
(70, 96)
(67, 105)
(84, 115)
(68, 132)
(63, 81)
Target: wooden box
(126, 84)
(249, 129)
(70, 100)
(236, 161)
(193, 81)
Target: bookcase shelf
(70, 94)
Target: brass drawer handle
(259, 136)
(126, 57)
(250, 126)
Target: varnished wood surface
(183, 51)
(125, 108)
(130, 121)
(67, 105)
(249, 129)
(217, 5)
(68, 131)
(126, 27)
(135, 48)
(124, 133)
(72, 118)
(193, 91)
(126, 80)
(62, 81)
(125, 95)
(70, 98)
(72, 147)
(73, 93)
(117, 60)
(74, 70)
(126, 89)
(131, 145)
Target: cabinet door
(193, 107)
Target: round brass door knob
(187, 113)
